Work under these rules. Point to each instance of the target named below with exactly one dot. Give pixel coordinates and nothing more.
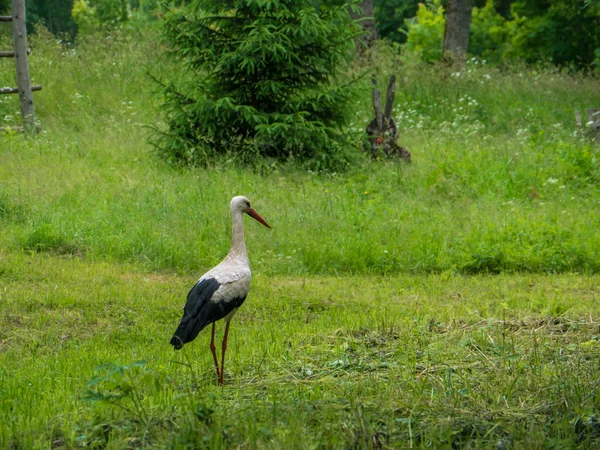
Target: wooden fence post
(22, 63)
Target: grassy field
(450, 303)
(501, 178)
(435, 361)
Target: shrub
(260, 78)
(490, 33)
(564, 32)
(92, 15)
(426, 31)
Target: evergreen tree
(260, 76)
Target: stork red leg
(213, 349)
(223, 350)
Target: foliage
(489, 38)
(257, 78)
(84, 15)
(561, 31)
(121, 386)
(91, 15)
(111, 11)
(391, 16)
(490, 33)
(65, 18)
(426, 31)
(55, 15)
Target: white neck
(238, 245)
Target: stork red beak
(256, 216)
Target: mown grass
(426, 361)
(373, 320)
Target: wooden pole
(23, 80)
(9, 54)
(9, 90)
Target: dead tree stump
(382, 131)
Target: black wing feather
(196, 313)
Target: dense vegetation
(561, 32)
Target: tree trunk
(367, 21)
(458, 25)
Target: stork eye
(247, 204)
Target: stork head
(242, 204)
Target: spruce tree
(257, 76)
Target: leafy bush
(426, 31)
(490, 33)
(258, 78)
(563, 31)
(95, 14)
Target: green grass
(505, 183)
(425, 361)
(374, 320)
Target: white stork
(221, 291)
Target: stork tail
(176, 342)
(195, 316)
